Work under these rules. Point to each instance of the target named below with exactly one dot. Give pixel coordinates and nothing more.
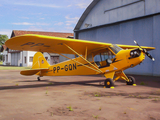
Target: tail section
(39, 61)
(39, 65)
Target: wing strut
(83, 58)
(77, 61)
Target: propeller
(145, 51)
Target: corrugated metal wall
(146, 31)
(15, 57)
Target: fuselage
(123, 60)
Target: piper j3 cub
(91, 58)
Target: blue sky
(40, 15)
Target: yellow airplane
(91, 58)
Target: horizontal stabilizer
(33, 71)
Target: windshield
(115, 48)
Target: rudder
(39, 61)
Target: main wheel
(38, 78)
(131, 80)
(108, 83)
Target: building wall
(25, 54)
(9, 58)
(18, 59)
(61, 58)
(29, 58)
(5, 61)
(15, 58)
(30, 54)
(109, 11)
(46, 55)
(121, 26)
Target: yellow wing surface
(32, 42)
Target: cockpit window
(104, 59)
(104, 56)
(115, 48)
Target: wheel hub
(108, 83)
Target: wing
(133, 47)
(30, 42)
(50, 44)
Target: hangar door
(15, 57)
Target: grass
(1, 62)
(142, 83)
(70, 108)
(97, 94)
(46, 90)
(95, 116)
(17, 84)
(13, 68)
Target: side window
(104, 56)
(89, 57)
(97, 58)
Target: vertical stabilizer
(39, 61)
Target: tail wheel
(131, 80)
(108, 83)
(38, 78)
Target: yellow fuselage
(121, 62)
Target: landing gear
(38, 78)
(131, 80)
(108, 83)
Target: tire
(108, 83)
(131, 80)
(38, 78)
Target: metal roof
(84, 15)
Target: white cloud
(84, 4)
(42, 18)
(24, 17)
(39, 28)
(71, 20)
(69, 5)
(75, 18)
(38, 5)
(42, 24)
(26, 23)
(34, 28)
(69, 28)
(59, 23)
(23, 23)
(6, 32)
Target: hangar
(122, 22)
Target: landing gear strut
(131, 80)
(108, 83)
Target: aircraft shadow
(148, 81)
(52, 83)
(29, 81)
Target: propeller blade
(145, 51)
(137, 44)
(149, 56)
